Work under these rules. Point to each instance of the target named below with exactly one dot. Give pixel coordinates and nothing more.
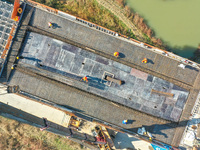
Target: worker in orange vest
(84, 79)
(144, 60)
(116, 54)
(50, 24)
(16, 18)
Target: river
(176, 22)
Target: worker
(149, 135)
(13, 66)
(16, 18)
(45, 124)
(144, 60)
(50, 24)
(84, 79)
(124, 121)
(19, 57)
(116, 54)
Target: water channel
(176, 22)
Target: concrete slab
(74, 63)
(35, 108)
(125, 141)
(139, 74)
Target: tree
(41, 1)
(136, 19)
(159, 42)
(154, 40)
(149, 33)
(128, 11)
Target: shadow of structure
(55, 25)
(192, 68)
(150, 61)
(92, 81)
(121, 55)
(123, 141)
(96, 82)
(95, 79)
(30, 58)
(39, 122)
(72, 108)
(163, 129)
(185, 51)
(58, 71)
(130, 121)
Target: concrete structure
(124, 141)
(55, 59)
(70, 61)
(57, 118)
(6, 24)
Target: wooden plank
(162, 93)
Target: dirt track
(120, 13)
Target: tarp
(165, 147)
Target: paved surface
(25, 110)
(192, 131)
(63, 90)
(14, 50)
(104, 43)
(121, 140)
(74, 62)
(37, 109)
(91, 105)
(124, 141)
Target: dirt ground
(20, 136)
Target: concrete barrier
(67, 16)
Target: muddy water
(176, 22)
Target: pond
(176, 22)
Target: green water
(176, 22)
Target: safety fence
(98, 27)
(113, 33)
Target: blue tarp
(165, 147)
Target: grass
(92, 11)
(20, 136)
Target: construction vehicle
(104, 136)
(74, 123)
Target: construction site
(58, 73)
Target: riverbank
(175, 22)
(108, 14)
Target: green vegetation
(90, 10)
(16, 135)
